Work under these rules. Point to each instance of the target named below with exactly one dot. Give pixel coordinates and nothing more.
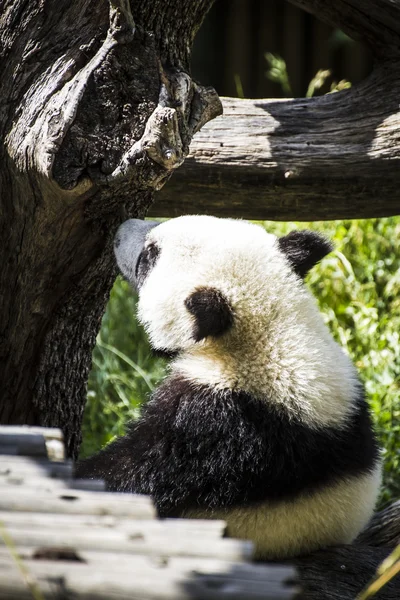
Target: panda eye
(146, 261)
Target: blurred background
(268, 48)
(237, 34)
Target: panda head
(199, 277)
(230, 299)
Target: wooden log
(181, 564)
(329, 157)
(48, 484)
(51, 522)
(33, 467)
(175, 582)
(89, 485)
(32, 444)
(159, 543)
(77, 502)
(23, 437)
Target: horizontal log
(49, 433)
(76, 502)
(51, 522)
(32, 441)
(49, 484)
(338, 573)
(332, 157)
(20, 466)
(77, 580)
(184, 564)
(23, 445)
(155, 543)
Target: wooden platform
(62, 538)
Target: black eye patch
(146, 261)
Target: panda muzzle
(128, 244)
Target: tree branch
(375, 22)
(331, 157)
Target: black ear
(304, 249)
(212, 312)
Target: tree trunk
(330, 157)
(97, 108)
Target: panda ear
(212, 312)
(304, 249)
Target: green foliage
(277, 72)
(358, 290)
(124, 372)
(238, 85)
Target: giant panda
(262, 419)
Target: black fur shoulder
(198, 447)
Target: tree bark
(97, 108)
(330, 157)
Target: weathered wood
(182, 564)
(19, 466)
(90, 485)
(97, 108)
(159, 543)
(53, 521)
(83, 544)
(230, 581)
(29, 444)
(76, 502)
(53, 439)
(56, 484)
(331, 157)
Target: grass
(123, 375)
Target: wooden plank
(26, 439)
(77, 502)
(268, 583)
(52, 484)
(23, 445)
(159, 543)
(209, 528)
(20, 465)
(203, 567)
(101, 586)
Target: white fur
(278, 349)
(332, 515)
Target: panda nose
(128, 244)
